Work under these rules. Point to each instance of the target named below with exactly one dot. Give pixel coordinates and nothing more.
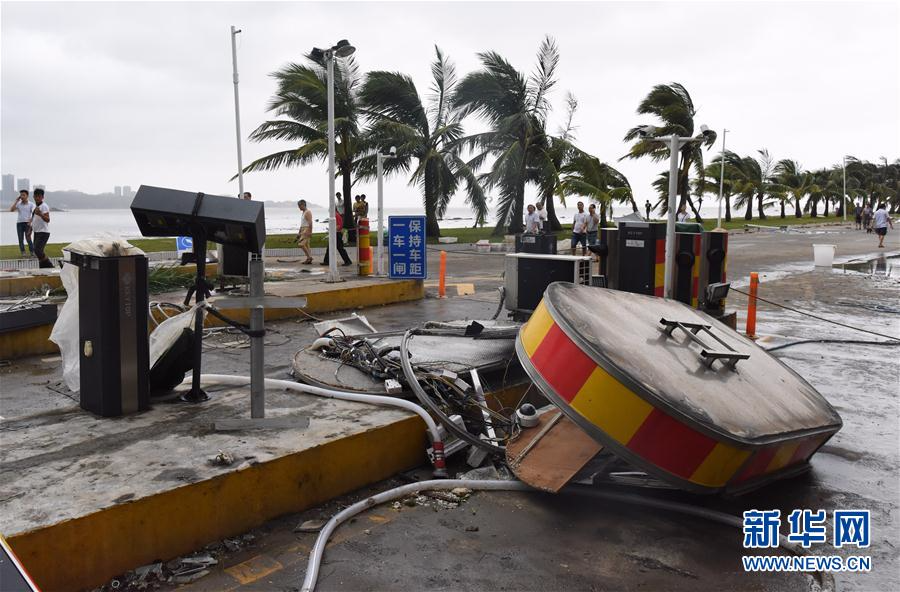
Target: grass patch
(464, 235)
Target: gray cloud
(101, 94)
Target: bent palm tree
(555, 152)
(300, 106)
(673, 106)
(430, 135)
(516, 108)
(792, 180)
(586, 175)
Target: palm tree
(710, 181)
(300, 107)
(516, 108)
(673, 106)
(597, 181)
(754, 180)
(554, 153)
(429, 134)
(792, 180)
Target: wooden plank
(550, 454)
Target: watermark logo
(762, 530)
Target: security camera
(393, 151)
(645, 131)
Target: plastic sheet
(168, 332)
(65, 331)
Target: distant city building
(126, 191)
(9, 187)
(118, 191)
(24, 184)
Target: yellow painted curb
(26, 284)
(27, 342)
(86, 552)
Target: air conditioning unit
(529, 274)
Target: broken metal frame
(708, 356)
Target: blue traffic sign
(184, 243)
(406, 247)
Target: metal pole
(237, 110)
(722, 179)
(844, 202)
(332, 224)
(379, 252)
(668, 283)
(257, 345)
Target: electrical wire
(818, 318)
(847, 341)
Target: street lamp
(341, 49)
(675, 143)
(844, 201)
(379, 168)
(721, 180)
(237, 109)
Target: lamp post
(237, 109)
(342, 49)
(379, 169)
(675, 143)
(721, 180)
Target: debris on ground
(310, 526)
(222, 459)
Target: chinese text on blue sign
(406, 242)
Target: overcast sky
(101, 94)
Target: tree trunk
(516, 223)
(432, 228)
(552, 220)
(603, 215)
(826, 208)
(727, 199)
(347, 213)
(797, 212)
(749, 214)
(782, 209)
(760, 207)
(814, 208)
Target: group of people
(584, 224)
(33, 221)
(304, 236)
(877, 221)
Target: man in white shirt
(880, 222)
(542, 215)
(40, 224)
(305, 234)
(532, 221)
(23, 222)
(579, 229)
(593, 225)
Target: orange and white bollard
(442, 278)
(751, 305)
(363, 250)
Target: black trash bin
(536, 243)
(114, 349)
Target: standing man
(532, 221)
(23, 222)
(579, 229)
(339, 231)
(542, 215)
(247, 195)
(880, 222)
(592, 225)
(867, 218)
(40, 224)
(857, 212)
(365, 206)
(648, 207)
(305, 234)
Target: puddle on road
(883, 265)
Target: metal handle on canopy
(708, 356)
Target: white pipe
(232, 380)
(315, 556)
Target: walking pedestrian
(365, 206)
(881, 221)
(579, 229)
(867, 218)
(339, 231)
(23, 222)
(40, 224)
(857, 213)
(305, 234)
(592, 225)
(648, 207)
